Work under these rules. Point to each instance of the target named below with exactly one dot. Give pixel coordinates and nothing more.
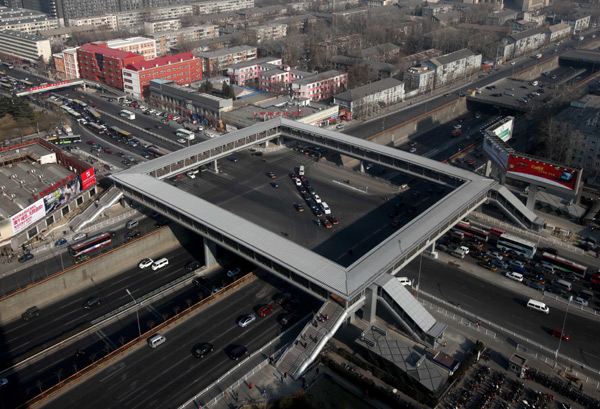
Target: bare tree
(92, 356)
(188, 302)
(150, 324)
(176, 309)
(39, 384)
(165, 316)
(553, 140)
(59, 373)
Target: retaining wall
(78, 278)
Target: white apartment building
(157, 26)
(360, 100)
(167, 39)
(129, 20)
(270, 31)
(27, 21)
(109, 21)
(219, 6)
(24, 46)
(558, 31)
(137, 45)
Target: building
(419, 78)
(558, 31)
(181, 69)
(319, 86)
(380, 3)
(99, 63)
(500, 17)
(167, 39)
(77, 9)
(27, 21)
(578, 23)
(48, 7)
(522, 25)
(277, 79)
(66, 64)
(528, 5)
(432, 9)
(137, 45)
(216, 62)
(156, 26)
(371, 97)
(187, 102)
(453, 66)
(246, 73)
(20, 46)
(58, 36)
(382, 52)
(219, 6)
(267, 32)
(376, 70)
(521, 43)
(109, 21)
(130, 21)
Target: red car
(327, 224)
(109, 151)
(171, 117)
(559, 334)
(91, 143)
(264, 310)
(332, 219)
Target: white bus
(127, 114)
(184, 133)
(514, 244)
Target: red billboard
(88, 179)
(544, 172)
(49, 86)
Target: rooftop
(108, 52)
(226, 51)
(319, 77)
(361, 92)
(524, 34)
(124, 42)
(258, 61)
(161, 61)
(455, 56)
(20, 34)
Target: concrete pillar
(488, 168)
(210, 253)
(533, 189)
(370, 307)
(362, 166)
(214, 166)
(431, 251)
(502, 177)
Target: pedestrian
(284, 375)
(250, 385)
(445, 344)
(264, 392)
(282, 379)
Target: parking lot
(257, 186)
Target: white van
(192, 173)
(301, 171)
(325, 208)
(564, 284)
(513, 275)
(160, 263)
(404, 281)
(156, 340)
(131, 224)
(458, 253)
(538, 306)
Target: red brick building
(183, 68)
(99, 63)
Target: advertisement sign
(88, 179)
(504, 129)
(544, 172)
(496, 151)
(28, 216)
(59, 195)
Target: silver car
(246, 320)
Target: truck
(456, 132)
(67, 130)
(538, 56)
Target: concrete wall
(78, 278)
(537, 70)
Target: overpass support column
(210, 253)
(533, 189)
(214, 166)
(370, 307)
(431, 251)
(362, 166)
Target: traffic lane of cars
(65, 314)
(507, 308)
(170, 373)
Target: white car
(514, 276)
(512, 63)
(234, 272)
(465, 249)
(339, 126)
(145, 263)
(79, 236)
(181, 140)
(581, 301)
(298, 182)
(493, 255)
(246, 320)
(412, 150)
(317, 198)
(457, 126)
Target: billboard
(28, 216)
(59, 195)
(496, 151)
(503, 129)
(544, 172)
(88, 179)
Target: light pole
(419, 277)
(137, 315)
(562, 331)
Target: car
(274, 184)
(31, 312)
(514, 276)
(457, 126)
(216, 290)
(234, 272)
(559, 334)
(181, 140)
(293, 176)
(91, 143)
(478, 243)
(299, 207)
(556, 290)
(499, 263)
(339, 126)
(145, 263)
(581, 301)
(237, 352)
(25, 257)
(327, 224)
(92, 303)
(317, 212)
(291, 304)
(465, 249)
(199, 350)
(534, 285)
(281, 298)
(288, 319)
(199, 280)
(512, 63)
(412, 150)
(79, 236)
(232, 159)
(317, 198)
(494, 255)
(246, 320)
(161, 223)
(488, 265)
(537, 278)
(264, 310)
(132, 235)
(192, 265)
(272, 175)
(332, 219)
(516, 263)
(549, 250)
(3, 382)
(60, 242)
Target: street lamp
(136, 312)
(562, 331)
(419, 277)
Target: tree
(553, 140)
(206, 87)
(358, 74)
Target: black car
(237, 352)
(281, 298)
(132, 235)
(291, 305)
(556, 290)
(192, 265)
(161, 223)
(288, 319)
(549, 250)
(92, 303)
(30, 313)
(199, 280)
(25, 257)
(275, 184)
(202, 349)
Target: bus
(153, 150)
(564, 265)
(513, 244)
(90, 244)
(94, 114)
(476, 232)
(78, 104)
(184, 133)
(65, 140)
(76, 115)
(94, 127)
(6, 87)
(118, 133)
(497, 232)
(80, 258)
(127, 114)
